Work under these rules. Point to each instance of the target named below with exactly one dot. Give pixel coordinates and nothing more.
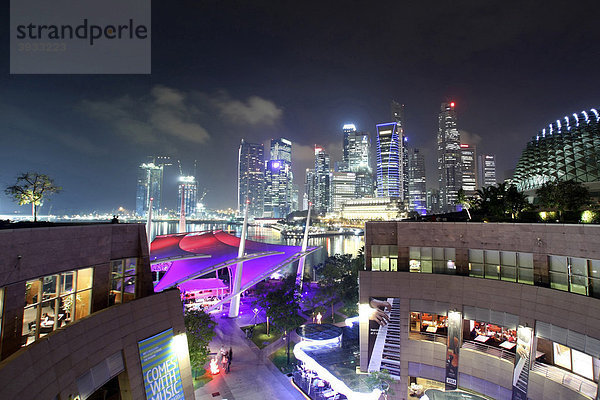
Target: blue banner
(160, 367)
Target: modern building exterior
(492, 308)
(279, 180)
(486, 170)
(310, 187)
(398, 117)
(433, 201)
(568, 149)
(449, 155)
(251, 178)
(188, 188)
(417, 185)
(389, 166)
(149, 185)
(357, 159)
(322, 181)
(78, 305)
(374, 209)
(343, 189)
(468, 163)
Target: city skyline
(90, 133)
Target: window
(54, 301)
(428, 323)
(123, 281)
(501, 265)
(384, 258)
(576, 275)
(437, 260)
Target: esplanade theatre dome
(567, 149)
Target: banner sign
(454, 341)
(160, 367)
(522, 362)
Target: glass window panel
(595, 268)
(526, 276)
(582, 364)
(508, 273)
(129, 289)
(450, 267)
(492, 257)
(414, 253)
(449, 254)
(579, 284)
(562, 356)
(525, 260)
(558, 263)
(48, 317)
(426, 253)
(49, 286)
(65, 310)
(508, 258)
(393, 251)
(117, 267)
(393, 264)
(476, 256)
(375, 251)
(414, 266)
(66, 282)
(594, 288)
(32, 291)
(476, 269)
(439, 266)
(492, 271)
(438, 253)
(82, 304)
(84, 278)
(385, 264)
(559, 281)
(385, 250)
(578, 266)
(29, 324)
(426, 266)
(375, 264)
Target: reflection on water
(329, 245)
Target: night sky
(224, 70)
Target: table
(508, 345)
(431, 329)
(482, 338)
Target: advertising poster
(384, 335)
(454, 341)
(522, 362)
(160, 367)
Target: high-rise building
(398, 117)
(310, 185)
(187, 188)
(281, 149)
(417, 188)
(433, 201)
(149, 185)
(279, 180)
(486, 170)
(468, 162)
(322, 196)
(343, 189)
(388, 161)
(449, 155)
(357, 159)
(251, 178)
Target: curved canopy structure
(195, 254)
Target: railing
(566, 378)
(491, 350)
(429, 337)
(304, 382)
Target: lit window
(123, 281)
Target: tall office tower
(448, 149)
(388, 161)
(468, 162)
(149, 185)
(279, 180)
(357, 159)
(251, 178)
(398, 117)
(417, 188)
(486, 170)
(322, 195)
(189, 189)
(433, 201)
(343, 188)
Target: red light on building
(464, 146)
(452, 104)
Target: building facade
(417, 184)
(251, 178)
(398, 116)
(73, 321)
(149, 185)
(568, 149)
(188, 189)
(374, 209)
(322, 181)
(357, 159)
(471, 293)
(389, 166)
(468, 164)
(343, 189)
(486, 170)
(279, 180)
(449, 155)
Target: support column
(300, 272)
(234, 304)
(149, 224)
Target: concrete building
(150, 185)
(417, 181)
(357, 159)
(449, 155)
(279, 180)
(399, 117)
(322, 181)
(188, 188)
(78, 306)
(486, 287)
(343, 189)
(389, 166)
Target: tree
(563, 196)
(32, 188)
(200, 330)
(381, 380)
(339, 280)
(500, 202)
(464, 201)
(282, 306)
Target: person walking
(225, 363)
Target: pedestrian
(230, 354)
(224, 363)
(228, 364)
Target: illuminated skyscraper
(486, 170)
(388, 160)
(310, 185)
(343, 189)
(322, 195)
(468, 161)
(449, 155)
(251, 178)
(357, 159)
(417, 188)
(149, 185)
(398, 118)
(279, 180)
(189, 189)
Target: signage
(522, 362)
(160, 367)
(454, 341)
